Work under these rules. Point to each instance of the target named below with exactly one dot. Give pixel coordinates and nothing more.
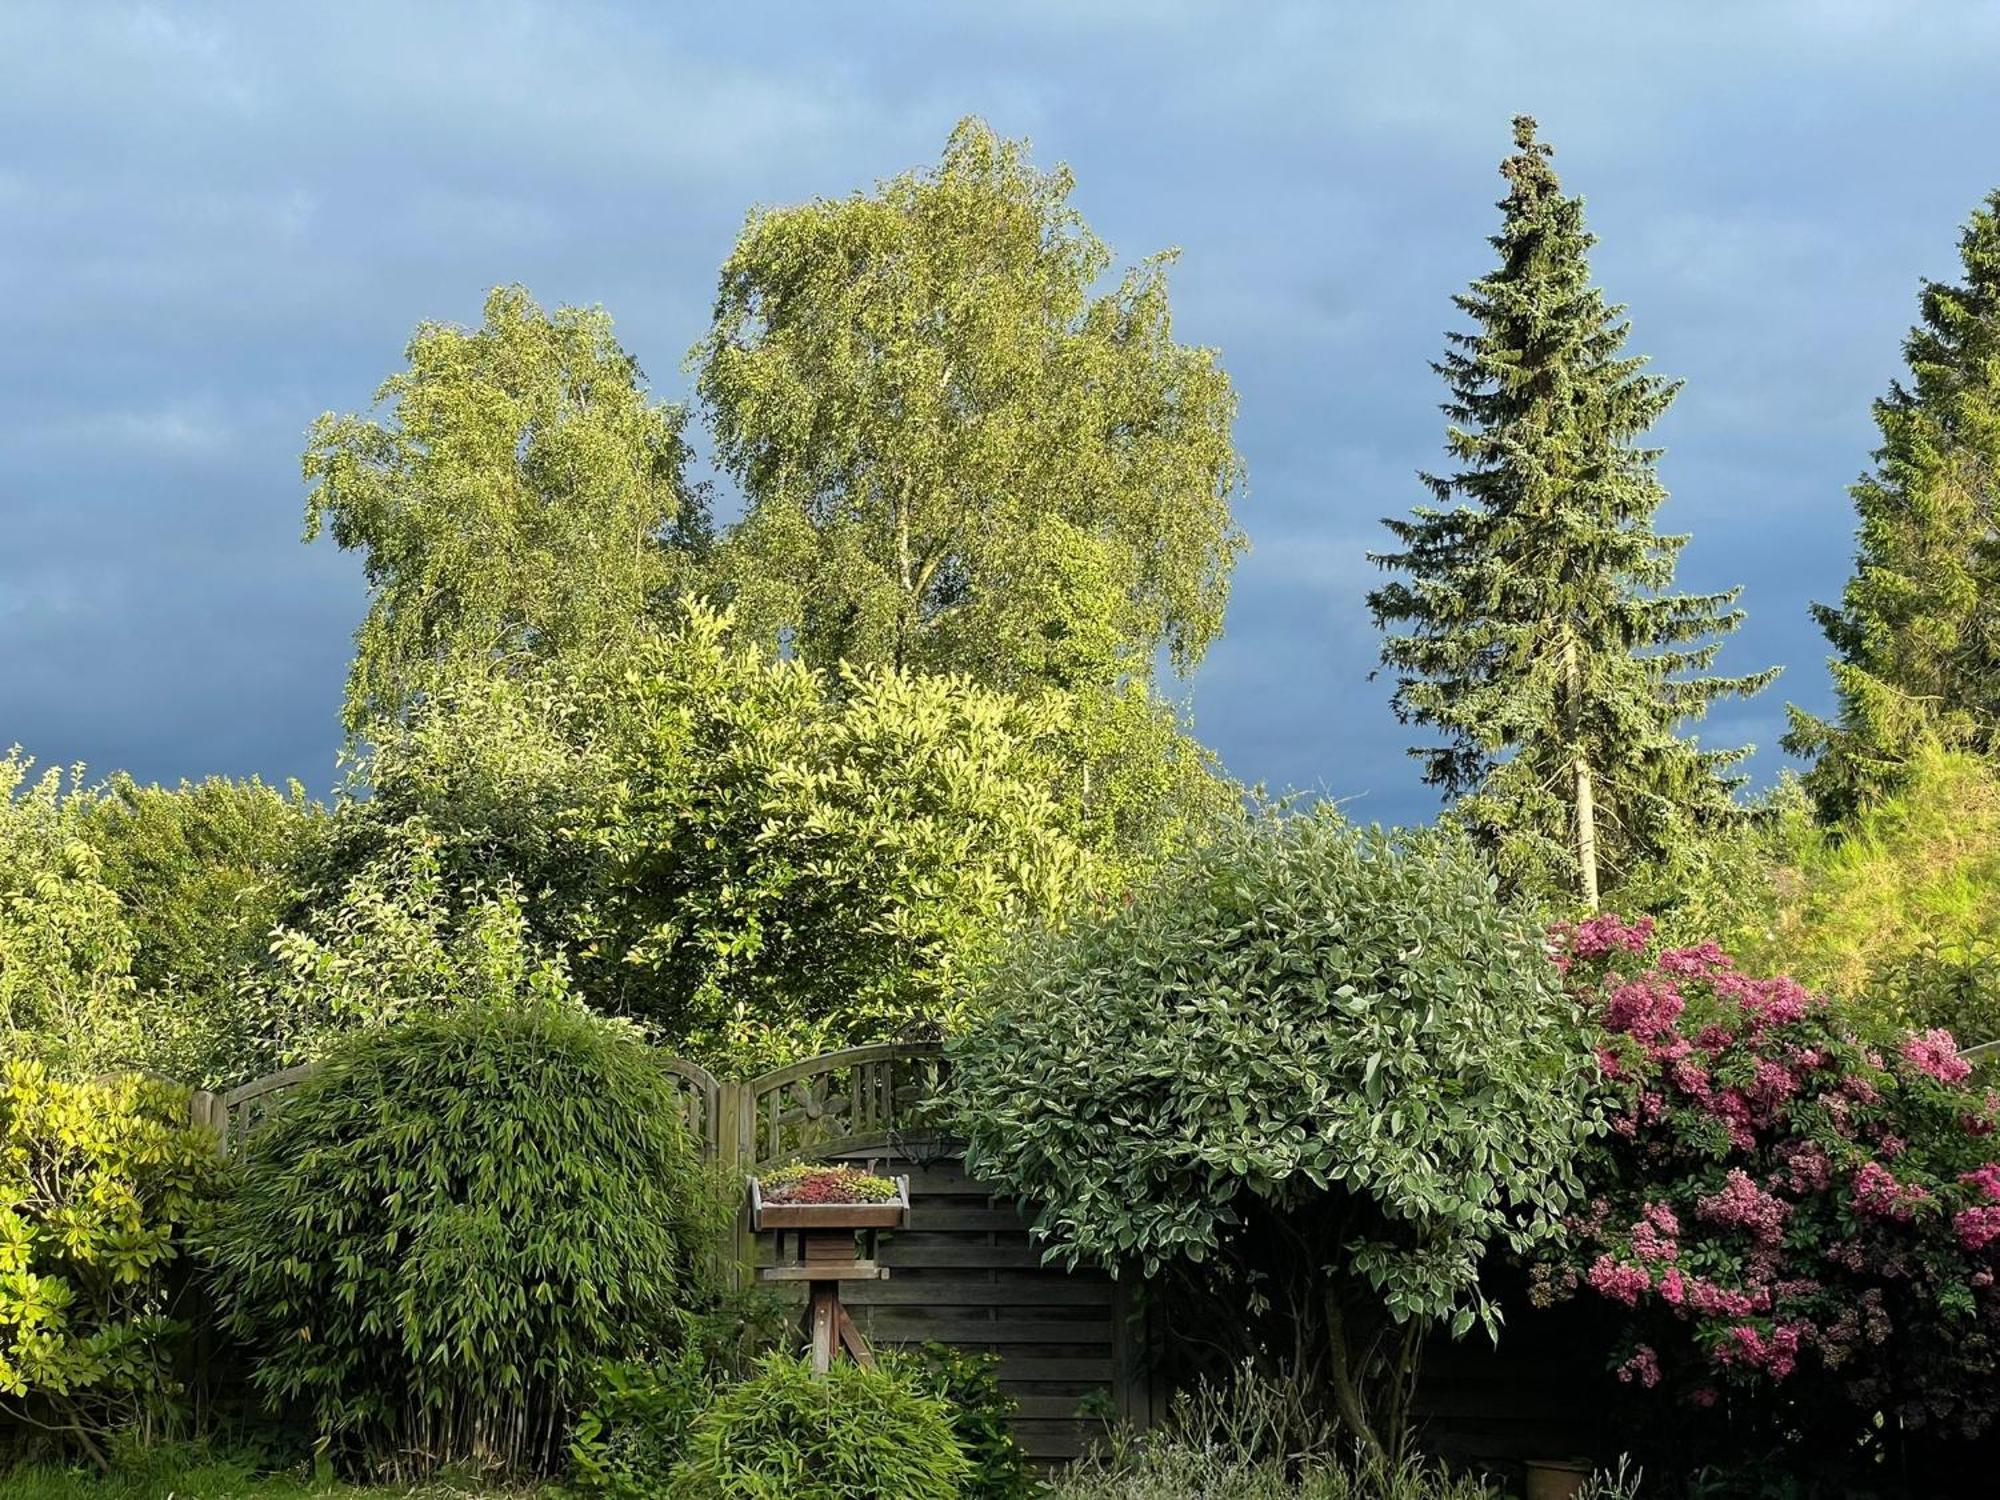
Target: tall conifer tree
(1916, 636)
(1532, 626)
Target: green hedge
(451, 1223)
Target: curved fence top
(840, 1101)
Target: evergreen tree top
(1534, 625)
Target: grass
(224, 1479)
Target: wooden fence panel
(964, 1272)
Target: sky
(219, 220)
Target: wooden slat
(915, 1292)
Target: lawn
(225, 1480)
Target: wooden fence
(963, 1271)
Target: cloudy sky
(217, 221)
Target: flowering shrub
(805, 1182)
(1783, 1207)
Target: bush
(800, 862)
(98, 1185)
(1301, 1047)
(1787, 1220)
(1254, 1438)
(1892, 910)
(453, 1219)
(65, 951)
(969, 1385)
(850, 1434)
(635, 1420)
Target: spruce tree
(1532, 626)
(1916, 636)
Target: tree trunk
(1585, 790)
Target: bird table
(832, 1243)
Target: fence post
(206, 1112)
(734, 1150)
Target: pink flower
(1643, 1008)
(1808, 1168)
(1619, 1281)
(1648, 1243)
(1877, 1192)
(1603, 934)
(1936, 1052)
(1714, 1301)
(1774, 1083)
(1704, 1395)
(1696, 962)
(1741, 1202)
(1777, 1354)
(1986, 1180)
(1775, 1002)
(1643, 1366)
(1977, 1227)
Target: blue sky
(217, 221)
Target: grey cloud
(217, 221)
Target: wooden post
(735, 1141)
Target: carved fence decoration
(822, 1107)
(964, 1269)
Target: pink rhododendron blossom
(1604, 934)
(1696, 962)
(1741, 1202)
(1643, 1366)
(1618, 1280)
(1644, 1008)
(1936, 1052)
(1985, 1181)
(1977, 1227)
(1877, 1192)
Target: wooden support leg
(826, 1320)
(851, 1338)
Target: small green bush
(452, 1222)
(851, 1434)
(969, 1384)
(98, 1184)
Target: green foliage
(957, 458)
(198, 1472)
(98, 1185)
(634, 1423)
(201, 869)
(203, 872)
(1534, 628)
(522, 499)
(65, 949)
(815, 1182)
(969, 1385)
(1895, 908)
(1916, 636)
(850, 1434)
(1256, 1438)
(454, 1218)
(395, 941)
(1326, 1064)
(797, 863)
